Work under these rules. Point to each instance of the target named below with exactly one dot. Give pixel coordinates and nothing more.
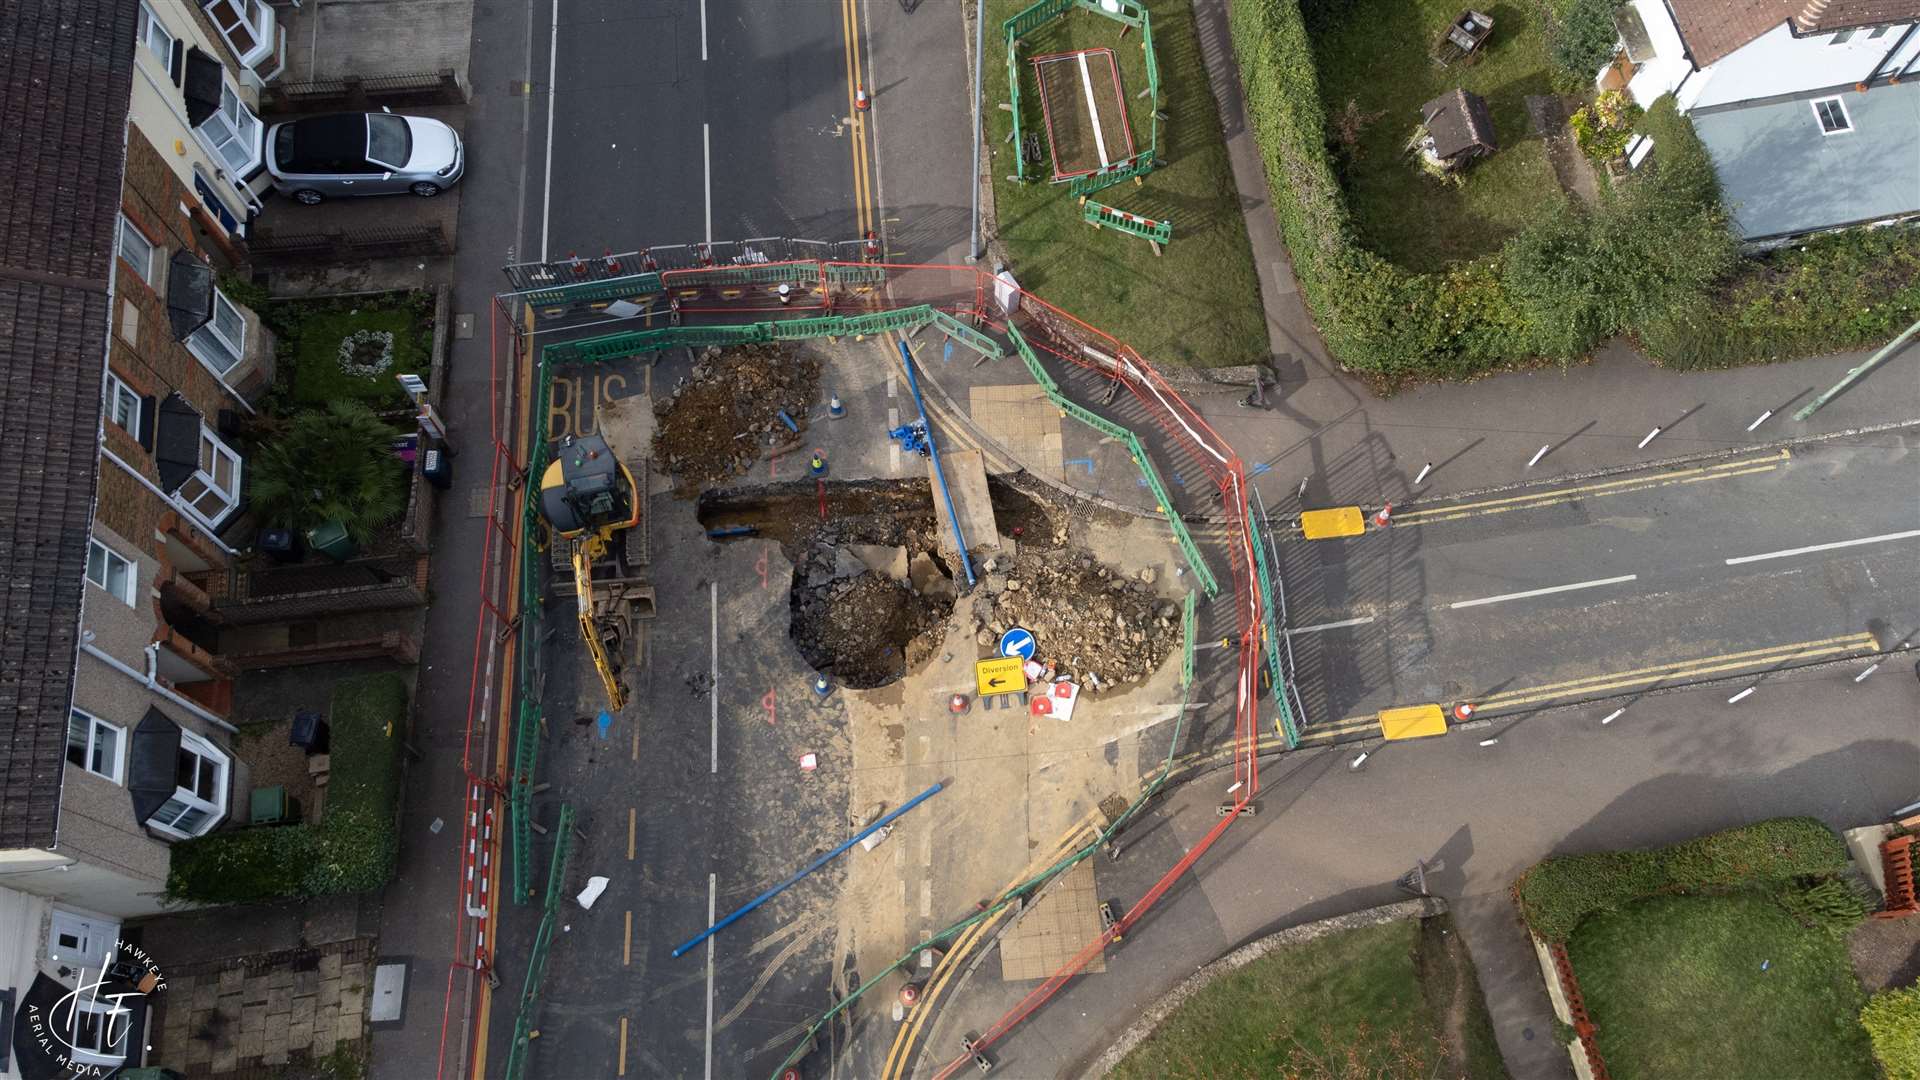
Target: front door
(83, 940)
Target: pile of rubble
(722, 415)
(866, 613)
(1099, 627)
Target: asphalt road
(1724, 567)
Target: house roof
(1458, 121)
(1713, 29)
(67, 72)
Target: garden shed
(1459, 128)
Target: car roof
(327, 139)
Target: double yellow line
(900, 1055)
(1619, 486)
(1678, 671)
(863, 202)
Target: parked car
(316, 158)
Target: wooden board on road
(1329, 524)
(1412, 722)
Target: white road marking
(553, 79)
(926, 898)
(1361, 621)
(1825, 547)
(1543, 592)
(713, 670)
(713, 885)
(706, 160)
(703, 29)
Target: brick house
(127, 369)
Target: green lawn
(1676, 987)
(1366, 1002)
(1377, 59)
(1199, 303)
(310, 351)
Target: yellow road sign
(1413, 722)
(1328, 524)
(1000, 675)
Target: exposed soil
(727, 410)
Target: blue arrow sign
(1017, 642)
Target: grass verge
(1720, 986)
(1375, 74)
(1199, 303)
(1373, 1001)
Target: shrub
(1831, 904)
(1580, 40)
(353, 847)
(1892, 1020)
(335, 464)
(1557, 893)
(1602, 129)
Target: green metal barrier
(820, 326)
(1124, 11)
(968, 336)
(848, 274)
(1188, 626)
(880, 322)
(1102, 216)
(589, 291)
(542, 941)
(755, 274)
(1026, 22)
(1119, 172)
(1197, 562)
(1013, 92)
(1270, 635)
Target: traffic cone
(835, 409)
(860, 100)
(1463, 711)
(817, 465)
(1384, 517)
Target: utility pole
(979, 43)
(1853, 375)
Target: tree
(335, 464)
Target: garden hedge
(1892, 1020)
(1653, 259)
(353, 847)
(1557, 893)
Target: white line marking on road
(1361, 621)
(1825, 547)
(1740, 695)
(706, 161)
(713, 670)
(1543, 592)
(713, 885)
(1649, 438)
(703, 29)
(553, 79)
(1611, 717)
(893, 388)
(926, 898)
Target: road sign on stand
(1017, 642)
(1001, 675)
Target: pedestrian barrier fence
(542, 940)
(1102, 216)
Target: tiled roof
(66, 73)
(1714, 28)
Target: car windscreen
(389, 144)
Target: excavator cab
(588, 489)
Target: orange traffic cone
(860, 101)
(1463, 711)
(1384, 517)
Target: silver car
(316, 158)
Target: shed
(1459, 126)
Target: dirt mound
(1086, 617)
(726, 411)
(864, 630)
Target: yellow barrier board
(1412, 722)
(1000, 675)
(1329, 524)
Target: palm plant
(335, 464)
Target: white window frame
(213, 346)
(258, 21)
(112, 1020)
(233, 127)
(1846, 118)
(116, 763)
(130, 233)
(116, 397)
(153, 35)
(130, 586)
(215, 811)
(205, 482)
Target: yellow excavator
(589, 500)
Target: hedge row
(354, 846)
(1557, 893)
(1892, 1020)
(1651, 259)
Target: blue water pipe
(811, 867)
(959, 538)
